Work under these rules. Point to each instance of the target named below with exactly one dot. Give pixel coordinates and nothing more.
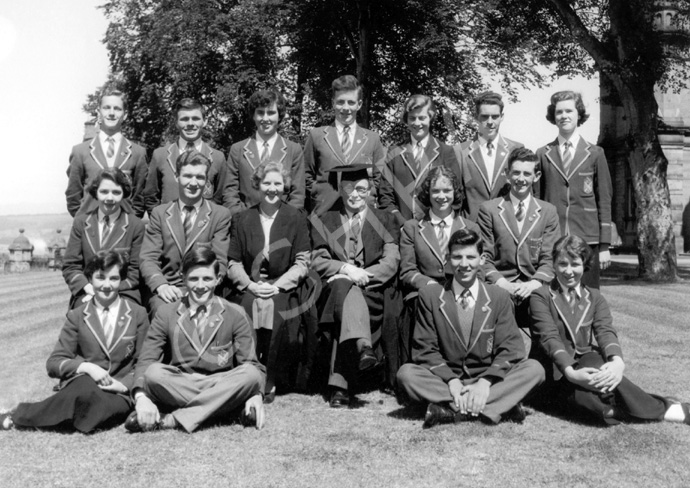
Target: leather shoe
(132, 424)
(611, 416)
(6, 421)
(367, 358)
(437, 414)
(516, 414)
(339, 399)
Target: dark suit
(84, 243)
(80, 402)
(585, 337)
(479, 185)
(513, 255)
(88, 159)
(402, 176)
(162, 186)
(224, 356)
(164, 245)
(323, 152)
(245, 157)
(494, 350)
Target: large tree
(617, 39)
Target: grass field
(379, 444)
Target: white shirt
(113, 312)
(103, 138)
(574, 140)
(435, 219)
(271, 143)
(101, 221)
(351, 216)
(340, 130)
(183, 213)
(474, 292)
(489, 160)
(564, 291)
(424, 142)
(516, 203)
(266, 224)
(182, 144)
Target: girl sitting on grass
(94, 358)
(575, 328)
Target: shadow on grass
(628, 273)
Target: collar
(516, 202)
(113, 217)
(113, 306)
(458, 289)
(197, 205)
(339, 127)
(574, 139)
(483, 142)
(424, 141)
(435, 219)
(362, 214)
(103, 138)
(192, 305)
(271, 141)
(182, 144)
(564, 289)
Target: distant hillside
(39, 229)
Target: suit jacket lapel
(505, 212)
(554, 157)
(571, 321)
(450, 313)
(428, 234)
(407, 156)
(251, 153)
(173, 154)
(124, 319)
(202, 222)
(213, 323)
(502, 152)
(330, 135)
(123, 154)
(173, 220)
(120, 227)
(482, 311)
(580, 155)
(279, 150)
(93, 238)
(475, 155)
(358, 142)
(93, 322)
(97, 152)
(532, 217)
(428, 157)
(186, 325)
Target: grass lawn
(379, 444)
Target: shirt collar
(516, 202)
(339, 127)
(458, 289)
(564, 289)
(113, 217)
(192, 306)
(483, 142)
(113, 306)
(362, 213)
(182, 144)
(435, 219)
(197, 205)
(103, 137)
(271, 140)
(424, 141)
(574, 139)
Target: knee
(406, 373)
(535, 370)
(253, 376)
(155, 373)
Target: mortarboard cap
(353, 172)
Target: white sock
(674, 413)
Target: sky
(52, 57)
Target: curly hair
(193, 158)
(574, 247)
(116, 176)
(424, 195)
(416, 102)
(264, 98)
(562, 96)
(105, 260)
(267, 167)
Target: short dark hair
(575, 247)
(267, 167)
(104, 260)
(264, 98)
(116, 176)
(416, 102)
(487, 98)
(424, 195)
(192, 158)
(346, 83)
(188, 104)
(112, 90)
(562, 96)
(523, 154)
(466, 237)
(200, 256)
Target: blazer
(323, 152)
(289, 249)
(162, 186)
(421, 258)
(379, 244)
(564, 335)
(518, 256)
(582, 196)
(494, 345)
(82, 340)
(401, 179)
(88, 159)
(479, 185)
(164, 243)
(172, 337)
(245, 157)
(84, 243)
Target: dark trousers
(591, 276)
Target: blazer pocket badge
(490, 345)
(588, 185)
(130, 349)
(534, 246)
(208, 190)
(223, 358)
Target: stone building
(21, 253)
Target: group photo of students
(463, 279)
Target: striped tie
(442, 238)
(190, 147)
(567, 155)
(111, 148)
(106, 231)
(489, 148)
(347, 143)
(108, 329)
(355, 228)
(188, 216)
(265, 153)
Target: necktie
(442, 238)
(355, 228)
(466, 316)
(106, 231)
(572, 299)
(107, 326)
(520, 214)
(264, 153)
(111, 148)
(567, 155)
(418, 152)
(189, 147)
(489, 148)
(188, 216)
(347, 143)
(199, 321)
(465, 298)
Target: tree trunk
(364, 28)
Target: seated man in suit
(519, 232)
(161, 184)
(407, 165)
(267, 110)
(468, 356)
(109, 149)
(483, 159)
(210, 368)
(356, 254)
(179, 226)
(342, 143)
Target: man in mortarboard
(356, 254)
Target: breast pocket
(487, 339)
(586, 183)
(534, 246)
(221, 354)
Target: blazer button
(440, 270)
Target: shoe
(339, 399)
(438, 414)
(270, 396)
(516, 414)
(367, 359)
(6, 422)
(132, 423)
(248, 419)
(611, 416)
